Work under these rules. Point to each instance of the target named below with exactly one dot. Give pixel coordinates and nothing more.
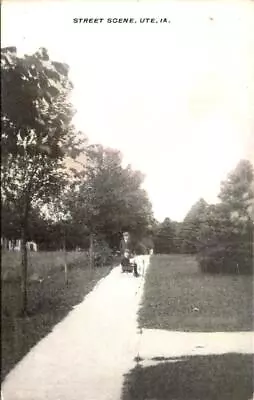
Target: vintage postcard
(127, 200)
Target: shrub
(103, 254)
(233, 257)
(141, 248)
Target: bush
(141, 248)
(103, 254)
(229, 258)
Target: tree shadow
(213, 377)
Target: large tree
(227, 231)
(36, 135)
(165, 236)
(190, 228)
(237, 191)
(107, 198)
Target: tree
(164, 239)
(177, 242)
(10, 221)
(227, 232)
(237, 195)
(190, 229)
(107, 198)
(36, 135)
(237, 191)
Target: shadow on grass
(48, 303)
(213, 377)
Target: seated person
(127, 264)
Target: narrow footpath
(87, 354)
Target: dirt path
(87, 354)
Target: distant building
(15, 245)
(32, 246)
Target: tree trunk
(91, 252)
(24, 267)
(65, 260)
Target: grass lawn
(215, 377)
(179, 297)
(49, 299)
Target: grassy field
(215, 377)
(178, 297)
(40, 264)
(49, 299)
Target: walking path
(166, 345)
(87, 354)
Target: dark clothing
(127, 266)
(125, 262)
(135, 269)
(126, 246)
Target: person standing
(127, 244)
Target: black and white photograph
(127, 200)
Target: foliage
(177, 240)
(102, 253)
(164, 239)
(226, 239)
(221, 235)
(10, 221)
(106, 198)
(36, 127)
(144, 245)
(190, 230)
(35, 113)
(103, 198)
(36, 135)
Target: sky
(176, 98)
